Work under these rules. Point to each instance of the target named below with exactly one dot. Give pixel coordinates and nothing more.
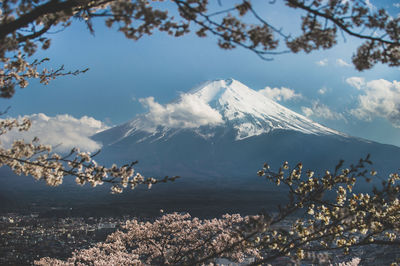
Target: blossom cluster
(24, 28)
(347, 221)
(173, 239)
(325, 223)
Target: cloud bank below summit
(189, 112)
(63, 132)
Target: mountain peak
(229, 81)
(219, 103)
(223, 89)
(213, 89)
(252, 113)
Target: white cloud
(189, 112)
(63, 131)
(307, 111)
(277, 94)
(396, 4)
(322, 62)
(381, 98)
(320, 110)
(356, 82)
(342, 63)
(323, 90)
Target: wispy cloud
(320, 110)
(396, 4)
(189, 112)
(280, 94)
(380, 98)
(322, 62)
(63, 131)
(356, 82)
(323, 90)
(342, 63)
(307, 111)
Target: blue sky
(123, 71)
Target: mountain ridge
(249, 112)
(252, 130)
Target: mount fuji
(216, 137)
(224, 129)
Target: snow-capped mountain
(223, 128)
(234, 105)
(216, 137)
(252, 113)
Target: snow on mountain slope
(252, 113)
(224, 129)
(227, 103)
